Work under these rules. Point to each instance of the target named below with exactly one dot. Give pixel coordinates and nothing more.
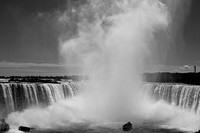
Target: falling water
(19, 96)
(183, 96)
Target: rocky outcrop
(4, 126)
(127, 127)
(198, 131)
(25, 129)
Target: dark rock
(4, 126)
(25, 129)
(128, 126)
(198, 131)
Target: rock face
(127, 127)
(4, 126)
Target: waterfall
(19, 96)
(180, 95)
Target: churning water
(171, 108)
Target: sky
(29, 39)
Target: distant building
(195, 69)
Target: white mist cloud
(113, 39)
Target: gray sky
(29, 41)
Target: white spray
(112, 42)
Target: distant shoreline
(165, 77)
(40, 79)
(159, 77)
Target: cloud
(5, 64)
(168, 68)
(28, 68)
(160, 68)
(185, 68)
(36, 69)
